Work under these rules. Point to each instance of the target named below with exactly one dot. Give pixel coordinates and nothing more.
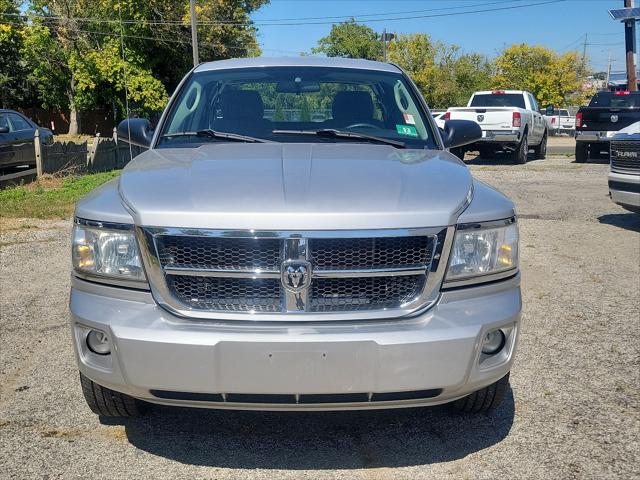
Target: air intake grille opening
(219, 253)
(230, 294)
(367, 293)
(370, 253)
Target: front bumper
(624, 189)
(334, 365)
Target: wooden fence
(101, 155)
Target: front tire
(541, 150)
(582, 152)
(483, 400)
(109, 403)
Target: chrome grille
(369, 253)
(226, 294)
(218, 253)
(625, 155)
(216, 274)
(368, 293)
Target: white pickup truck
(510, 121)
(560, 121)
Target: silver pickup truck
(291, 263)
(624, 173)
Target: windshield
(615, 100)
(258, 101)
(498, 100)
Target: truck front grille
(198, 272)
(226, 294)
(218, 253)
(365, 293)
(368, 253)
(625, 156)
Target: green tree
(444, 75)
(552, 78)
(227, 29)
(79, 66)
(13, 88)
(352, 40)
(75, 55)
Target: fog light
(98, 342)
(493, 342)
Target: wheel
(458, 152)
(541, 150)
(482, 400)
(582, 152)
(109, 403)
(519, 155)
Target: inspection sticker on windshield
(407, 130)
(408, 118)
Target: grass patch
(50, 196)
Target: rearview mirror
(136, 131)
(4, 129)
(297, 87)
(460, 132)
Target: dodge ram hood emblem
(614, 118)
(296, 275)
(481, 118)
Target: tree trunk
(74, 114)
(74, 121)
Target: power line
(156, 39)
(295, 23)
(605, 44)
(347, 17)
(262, 21)
(574, 43)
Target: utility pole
(608, 71)
(386, 37)
(194, 33)
(384, 44)
(584, 52)
(630, 45)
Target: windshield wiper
(210, 133)
(333, 133)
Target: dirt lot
(572, 413)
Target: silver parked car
(273, 264)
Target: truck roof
(297, 62)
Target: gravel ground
(572, 412)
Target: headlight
(106, 252)
(483, 251)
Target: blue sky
(561, 26)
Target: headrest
(352, 106)
(242, 104)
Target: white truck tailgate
(489, 118)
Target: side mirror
(460, 132)
(4, 129)
(136, 131)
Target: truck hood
(295, 186)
